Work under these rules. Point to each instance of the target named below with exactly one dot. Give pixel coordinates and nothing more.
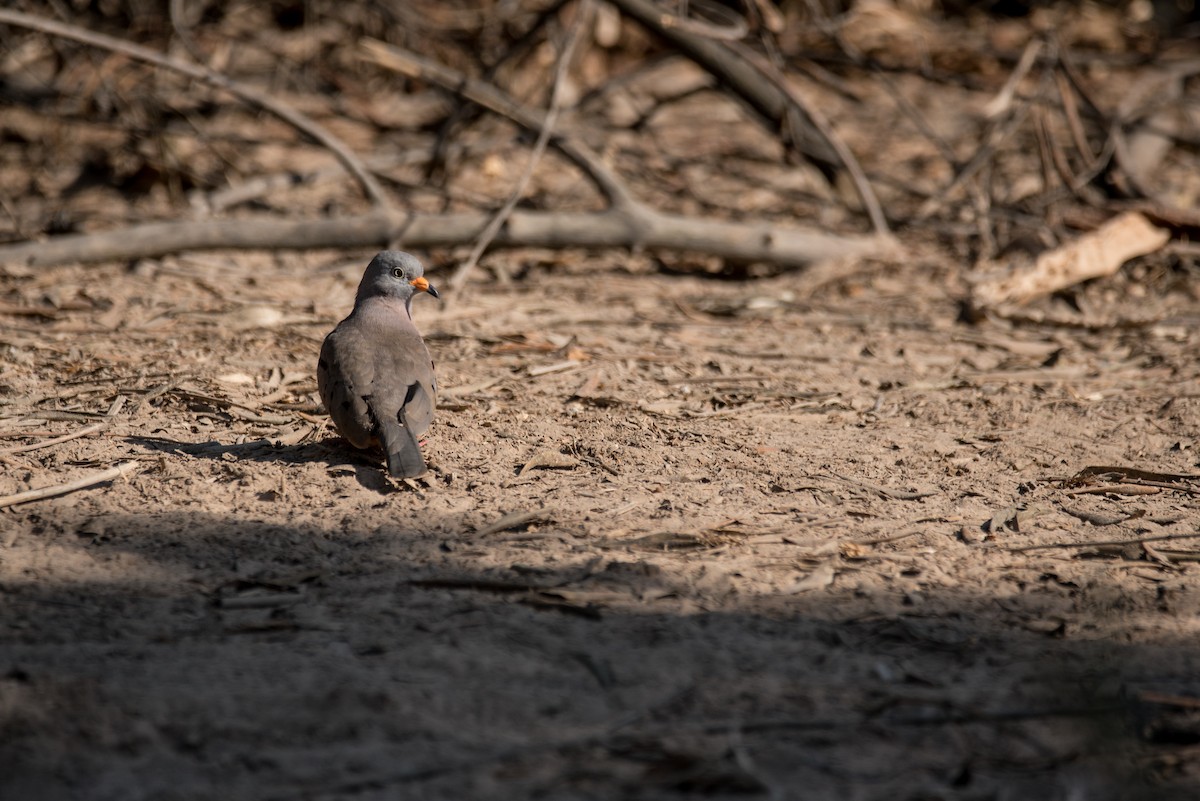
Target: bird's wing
(344, 380)
(402, 396)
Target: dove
(375, 375)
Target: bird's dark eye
(397, 272)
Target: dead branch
(753, 241)
(459, 279)
(744, 78)
(280, 109)
(629, 222)
(998, 131)
(766, 91)
(859, 178)
(414, 66)
(234, 194)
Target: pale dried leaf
(1096, 254)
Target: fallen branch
(639, 228)
(281, 110)
(63, 489)
(627, 223)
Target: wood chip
(514, 520)
(549, 459)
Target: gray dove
(375, 375)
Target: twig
(1066, 61)
(414, 66)
(285, 112)
(460, 115)
(745, 79)
(999, 105)
(735, 26)
(861, 185)
(1074, 124)
(899, 495)
(514, 520)
(743, 241)
(83, 432)
(1104, 543)
(999, 131)
(110, 474)
(175, 11)
(918, 119)
(884, 540)
(1168, 699)
(218, 200)
(1054, 160)
(459, 279)
(1102, 520)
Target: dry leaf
(1095, 254)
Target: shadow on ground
(335, 452)
(235, 659)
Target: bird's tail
(404, 459)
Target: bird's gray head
(394, 274)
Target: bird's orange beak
(422, 285)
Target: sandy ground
(693, 529)
(683, 538)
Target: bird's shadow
(335, 452)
